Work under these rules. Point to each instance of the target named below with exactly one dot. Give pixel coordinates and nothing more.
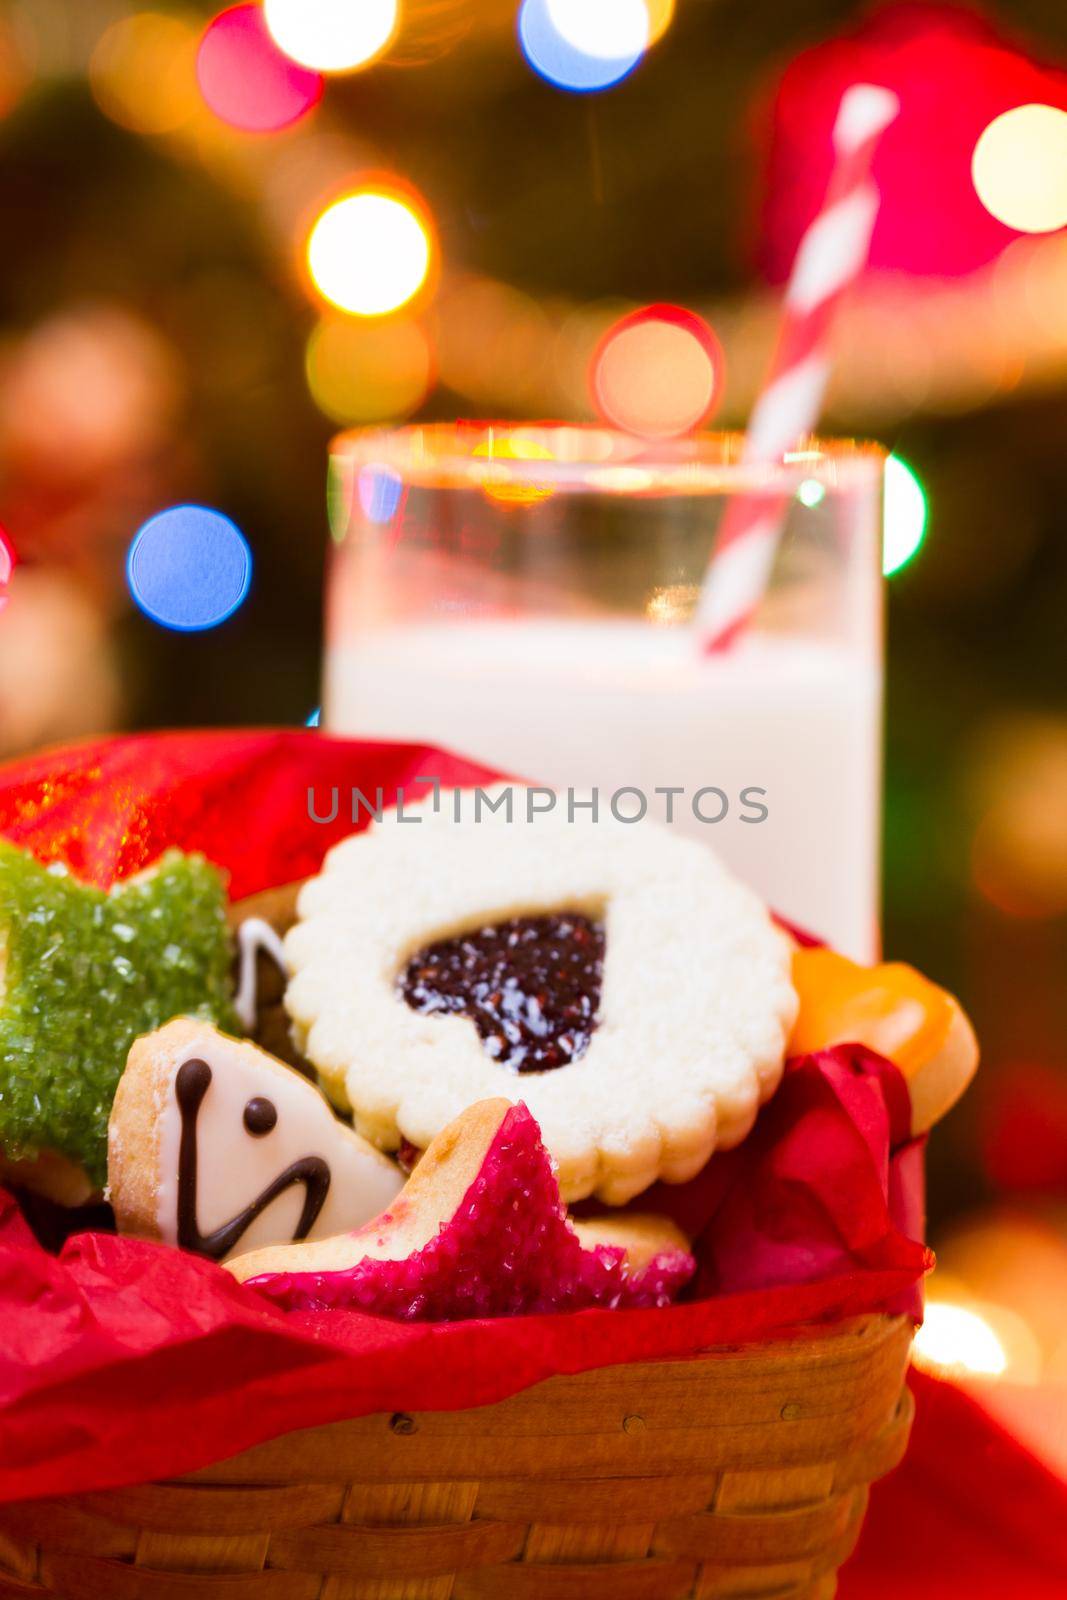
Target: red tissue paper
(123, 1361)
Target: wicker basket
(741, 1472)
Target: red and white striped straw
(831, 256)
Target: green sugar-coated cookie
(82, 974)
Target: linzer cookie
(479, 1231)
(214, 1145)
(614, 977)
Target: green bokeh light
(905, 516)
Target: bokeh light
(958, 1340)
(657, 372)
(1022, 1130)
(368, 371)
(7, 566)
(1019, 847)
(369, 252)
(245, 79)
(16, 68)
(555, 58)
(1020, 168)
(315, 718)
(811, 493)
(507, 490)
(1010, 1262)
(955, 68)
(660, 17)
(607, 29)
(905, 515)
(142, 73)
(381, 493)
(494, 343)
(98, 350)
(189, 568)
(331, 35)
(59, 679)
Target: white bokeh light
(1019, 168)
(956, 1339)
(605, 29)
(369, 253)
(331, 35)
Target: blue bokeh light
(562, 63)
(189, 568)
(380, 493)
(315, 718)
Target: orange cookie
(891, 1009)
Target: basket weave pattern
(742, 1472)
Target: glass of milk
(524, 596)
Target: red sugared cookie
(479, 1231)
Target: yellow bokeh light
(331, 35)
(142, 73)
(508, 490)
(1019, 168)
(369, 253)
(660, 17)
(361, 372)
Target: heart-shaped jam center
(531, 986)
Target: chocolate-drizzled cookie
(215, 1145)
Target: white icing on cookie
(696, 999)
(234, 1166)
(253, 936)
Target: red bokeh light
(246, 80)
(7, 566)
(657, 372)
(953, 73)
(1023, 1131)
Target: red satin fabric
(969, 1515)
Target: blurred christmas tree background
(162, 342)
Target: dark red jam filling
(531, 986)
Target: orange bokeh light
(658, 372)
(363, 371)
(142, 73)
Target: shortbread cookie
(613, 976)
(894, 1010)
(215, 1145)
(82, 973)
(479, 1231)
